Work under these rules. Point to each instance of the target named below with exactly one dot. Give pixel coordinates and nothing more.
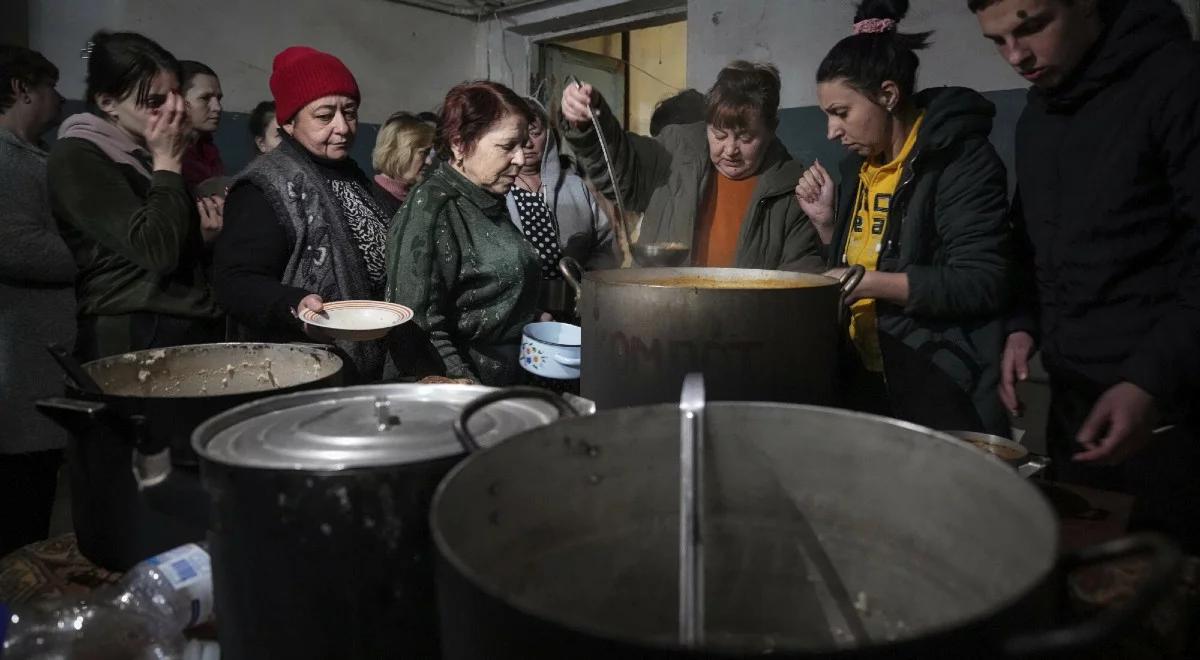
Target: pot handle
(566, 361)
(470, 445)
(73, 369)
(1165, 559)
(572, 272)
(849, 281)
(73, 414)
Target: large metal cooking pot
(756, 335)
(320, 514)
(156, 398)
(824, 531)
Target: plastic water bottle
(142, 617)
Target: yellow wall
(657, 52)
(605, 44)
(658, 66)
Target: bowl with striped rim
(357, 320)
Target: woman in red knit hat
(301, 226)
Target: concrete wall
(403, 57)
(796, 35)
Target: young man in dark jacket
(1108, 171)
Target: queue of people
(465, 218)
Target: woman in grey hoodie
(555, 210)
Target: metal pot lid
(364, 426)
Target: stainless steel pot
(155, 399)
(824, 532)
(319, 515)
(756, 335)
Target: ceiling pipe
(477, 8)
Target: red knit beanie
(301, 75)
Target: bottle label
(189, 570)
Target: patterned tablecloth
(50, 570)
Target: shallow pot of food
(155, 399)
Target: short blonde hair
(399, 140)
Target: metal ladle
(654, 254)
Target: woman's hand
(1014, 368)
(444, 380)
(312, 301)
(577, 104)
(814, 195)
(167, 134)
(212, 217)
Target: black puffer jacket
(946, 230)
(1108, 173)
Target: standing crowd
(130, 234)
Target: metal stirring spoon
(691, 505)
(619, 223)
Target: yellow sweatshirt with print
(864, 242)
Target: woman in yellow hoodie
(922, 207)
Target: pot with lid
(815, 533)
(319, 513)
(756, 335)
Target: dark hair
(189, 69)
(27, 66)
(427, 116)
(470, 109)
(866, 61)
(742, 90)
(686, 107)
(124, 63)
(260, 116)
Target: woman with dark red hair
(454, 256)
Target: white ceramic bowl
(551, 350)
(358, 320)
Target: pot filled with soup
(756, 335)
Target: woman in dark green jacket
(455, 257)
(922, 207)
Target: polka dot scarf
(540, 229)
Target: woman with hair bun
(922, 207)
